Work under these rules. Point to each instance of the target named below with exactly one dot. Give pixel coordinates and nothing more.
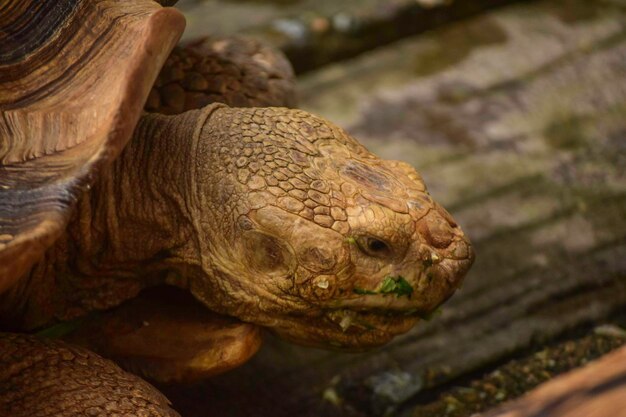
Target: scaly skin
(51, 378)
(238, 71)
(270, 215)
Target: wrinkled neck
(139, 210)
(129, 231)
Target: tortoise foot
(53, 378)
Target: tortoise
(142, 189)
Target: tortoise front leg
(165, 335)
(48, 377)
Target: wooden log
(597, 390)
(486, 389)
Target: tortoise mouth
(388, 321)
(371, 318)
(350, 330)
(415, 294)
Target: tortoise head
(321, 241)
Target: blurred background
(515, 114)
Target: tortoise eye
(374, 247)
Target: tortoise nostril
(436, 231)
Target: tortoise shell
(74, 76)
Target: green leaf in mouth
(396, 285)
(390, 285)
(362, 291)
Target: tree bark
(598, 389)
